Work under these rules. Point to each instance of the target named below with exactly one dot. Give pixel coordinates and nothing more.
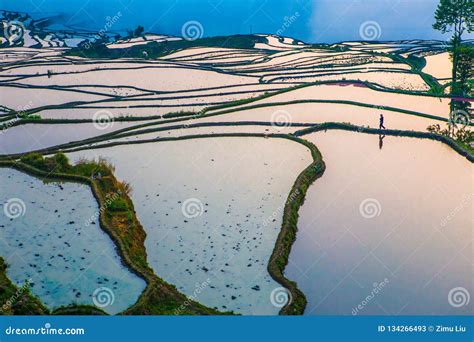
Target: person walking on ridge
(382, 120)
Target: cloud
(340, 20)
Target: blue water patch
(51, 239)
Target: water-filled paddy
(117, 112)
(52, 238)
(326, 112)
(401, 81)
(165, 79)
(32, 137)
(212, 210)
(438, 66)
(203, 130)
(362, 94)
(393, 223)
(24, 99)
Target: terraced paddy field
(377, 233)
(229, 238)
(225, 176)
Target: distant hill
(20, 29)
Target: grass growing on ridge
(17, 300)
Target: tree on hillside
(465, 84)
(465, 70)
(455, 16)
(138, 31)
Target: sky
(314, 21)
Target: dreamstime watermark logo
(293, 196)
(14, 31)
(24, 109)
(199, 288)
(16, 296)
(103, 119)
(281, 118)
(103, 297)
(280, 297)
(370, 208)
(9, 124)
(459, 297)
(109, 199)
(192, 208)
(195, 116)
(376, 289)
(459, 118)
(21, 112)
(192, 30)
(14, 208)
(287, 22)
(102, 33)
(109, 23)
(370, 30)
(46, 330)
(465, 202)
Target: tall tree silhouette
(455, 16)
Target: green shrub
(90, 168)
(58, 163)
(118, 204)
(34, 159)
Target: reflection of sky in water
(318, 21)
(385, 231)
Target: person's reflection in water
(381, 138)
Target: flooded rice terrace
(203, 134)
(212, 210)
(52, 240)
(387, 230)
(32, 137)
